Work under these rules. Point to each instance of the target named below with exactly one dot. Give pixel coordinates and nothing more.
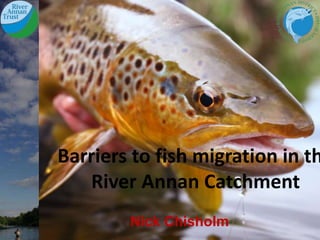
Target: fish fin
(206, 200)
(86, 141)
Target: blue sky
(18, 124)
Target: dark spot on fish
(106, 38)
(145, 90)
(190, 113)
(100, 79)
(164, 121)
(83, 48)
(162, 89)
(134, 74)
(98, 64)
(70, 70)
(90, 77)
(120, 75)
(138, 84)
(61, 77)
(108, 63)
(114, 99)
(131, 57)
(78, 44)
(95, 52)
(81, 91)
(173, 111)
(68, 28)
(121, 60)
(83, 30)
(95, 17)
(60, 44)
(159, 66)
(94, 36)
(55, 63)
(76, 84)
(216, 99)
(82, 68)
(88, 51)
(162, 107)
(174, 79)
(94, 97)
(173, 97)
(149, 62)
(106, 51)
(138, 63)
(120, 47)
(151, 83)
(125, 96)
(112, 81)
(154, 95)
(128, 67)
(65, 58)
(127, 80)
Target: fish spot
(106, 38)
(131, 57)
(112, 81)
(159, 66)
(173, 111)
(94, 98)
(120, 47)
(68, 28)
(76, 84)
(82, 68)
(138, 63)
(90, 77)
(173, 97)
(128, 67)
(164, 121)
(190, 113)
(93, 37)
(81, 91)
(98, 64)
(174, 80)
(125, 96)
(162, 90)
(83, 30)
(145, 90)
(83, 48)
(162, 107)
(79, 43)
(135, 74)
(154, 95)
(114, 99)
(65, 58)
(88, 51)
(120, 75)
(55, 64)
(127, 80)
(95, 52)
(61, 77)
(70, 70)
(151, 83)
(106, 51)
(149, 62)
(100, 79)
(121, 60)
(138, 84)
(59, 44)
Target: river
(27, 233)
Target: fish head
(239, 105)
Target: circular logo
(19, 19)
(299, 20)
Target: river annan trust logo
(19, 19)
(299, 20)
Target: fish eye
(207, 99)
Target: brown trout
(159, 75)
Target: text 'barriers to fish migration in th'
(212, 160)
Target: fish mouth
(255, 154)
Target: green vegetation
(254, 25)
(28, 219)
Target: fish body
(161, 76)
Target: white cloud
(13, 150)
(27, 182)
(34, 158)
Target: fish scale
(160, 76)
